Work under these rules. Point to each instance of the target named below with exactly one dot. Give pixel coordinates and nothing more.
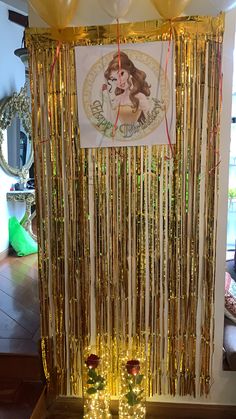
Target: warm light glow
(128, 383)
(96, 406)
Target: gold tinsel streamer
(126, 236)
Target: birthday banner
(127, 97)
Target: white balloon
(116, 8)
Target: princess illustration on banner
(123, 98)
(128, 91)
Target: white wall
(12, 78)
(91, 13)
(223, 390)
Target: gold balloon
(170, 8)
(57, 13)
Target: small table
(27, 196)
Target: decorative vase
(132, 395)
(96, 399)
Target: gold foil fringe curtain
(126, 236)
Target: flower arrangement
(132, 399)
(96, 401)
(134, 395)
(96, 381)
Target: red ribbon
(54, 61)
(166, 121)
(52, 71)
(119, 73)
(168, 137)
(50, 81)
(216, 128)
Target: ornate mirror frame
(18, 103)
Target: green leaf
(131, 401)
(100, 379)
(232, 193)
(131, 398)
(129, 395)
(92, 390)
(100, 386)
(138, 378)
(92, 374)
(90, 381)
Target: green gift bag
(20, 239)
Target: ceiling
(209, 7)
(19, 5)
(199, 7)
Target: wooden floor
(26, 399)
(21, 376)
(19, 305)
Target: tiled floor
(19, 305)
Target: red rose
(92, 361)
(133, 367)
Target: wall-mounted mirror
(16, 150)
